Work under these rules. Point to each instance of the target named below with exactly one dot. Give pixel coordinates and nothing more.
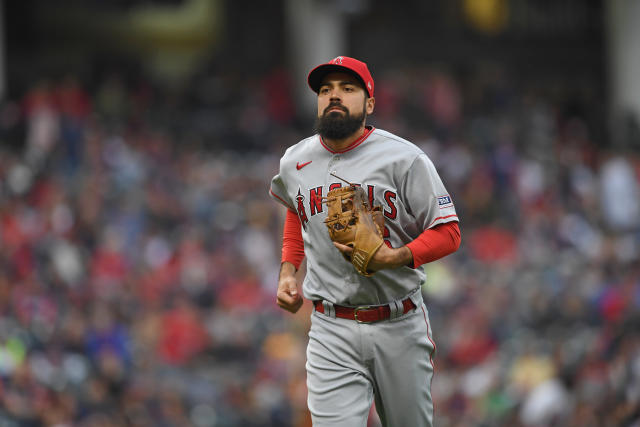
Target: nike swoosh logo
(300, 166)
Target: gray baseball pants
(349, 364)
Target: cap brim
(317, 74)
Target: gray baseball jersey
(349, 364)
(397, 175)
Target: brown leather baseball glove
(352, 222)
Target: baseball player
(370, 336)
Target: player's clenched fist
(288, 297)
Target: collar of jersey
(354, 144)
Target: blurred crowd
(139, 254)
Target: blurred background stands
(139, 250)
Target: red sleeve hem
(435, 243)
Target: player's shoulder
(396, 149)
(299, 150)
(399, 144)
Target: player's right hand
(288, 297)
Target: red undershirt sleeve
(292, 243)
(435, 243)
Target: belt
(365, 313)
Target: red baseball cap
(341, 64)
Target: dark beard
(335, 126)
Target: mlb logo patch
(444, 201)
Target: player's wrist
(395, 257)
(403, 257)
(287, 269)
(407, 257)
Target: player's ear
(370, 103)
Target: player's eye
(324, 90)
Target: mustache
(335, 105)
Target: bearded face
(336, 122)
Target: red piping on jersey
(441, 217)
(279, 198)
(430, 340)
(354, 144)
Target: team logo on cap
(337, 60)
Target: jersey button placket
(332, 163)
(331, 166)
(348, 269)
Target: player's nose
(334, 94)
